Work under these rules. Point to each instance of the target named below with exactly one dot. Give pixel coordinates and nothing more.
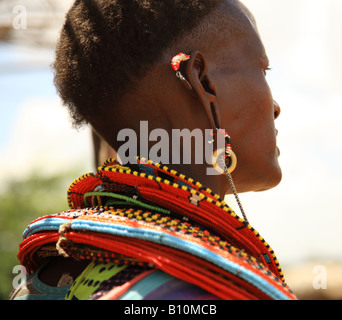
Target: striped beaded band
(152, 243)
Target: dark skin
(228, 89)
(229, 79)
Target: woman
(148, 76)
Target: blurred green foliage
(20, 203)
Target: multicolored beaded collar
(148, 214)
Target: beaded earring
(224, 161)
(176, 63)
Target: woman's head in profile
(113, 71)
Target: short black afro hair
(104, 44)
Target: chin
(273, 180)
(265, 179)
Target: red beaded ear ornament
(176, 60)
(224, 161)
(176, 64)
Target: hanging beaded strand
(228, 165)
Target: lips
(276, 134)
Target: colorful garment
(150, 222)
(125, 282)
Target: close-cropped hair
(105, 44)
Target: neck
(203, 173)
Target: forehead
(236, 32)
(229, 31)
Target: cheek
(245, 106)
(247, 113)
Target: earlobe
(202, 87)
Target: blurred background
(41, 154)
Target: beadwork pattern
(165, 214)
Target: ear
(203, 88)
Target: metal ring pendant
(219, 164)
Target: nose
(276, 110)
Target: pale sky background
(301, 218)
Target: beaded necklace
(144, 214)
